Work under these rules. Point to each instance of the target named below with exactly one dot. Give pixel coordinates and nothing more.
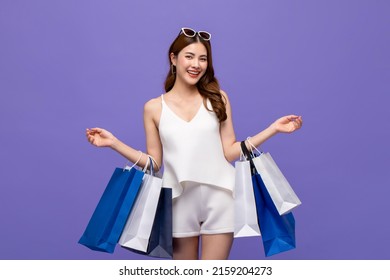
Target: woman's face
(191, 63)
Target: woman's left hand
(287, 124)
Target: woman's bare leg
(186, 248)
(216, 246)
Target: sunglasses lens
(204, 35)
(189, 32)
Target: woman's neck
(184, 89)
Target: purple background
(71, 64)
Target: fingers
(297, 122)
(90, 133)
(91, 139)
(94, 130)
(294, 118)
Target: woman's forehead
(195, 48)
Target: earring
(173, 70)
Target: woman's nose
(195, 63)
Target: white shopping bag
(282, 194)
(245, 215)
(136, 232)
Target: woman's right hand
(100, 137)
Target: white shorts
(202, 209)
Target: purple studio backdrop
(69, 65)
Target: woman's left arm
(231, 146)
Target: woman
(191, 125)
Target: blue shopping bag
(277, 231)
(106, 224)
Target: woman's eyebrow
(191, 53)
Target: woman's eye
(203, 59)
(188, 57)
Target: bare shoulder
(224, 96)
(152, 108)
(153, 104)
(223, 92)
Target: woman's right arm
(102, 138)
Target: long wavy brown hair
(208, 85)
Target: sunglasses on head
(189, 32)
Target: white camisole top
(192, 151)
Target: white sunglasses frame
(195, 33)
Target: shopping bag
(139, 225)
(277, 231)
(245, 215)
(160, 240)
(106, 224)
(280, 190)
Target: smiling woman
(191, 125)
(197, 52)
(192, 60)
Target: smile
(193, 74)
